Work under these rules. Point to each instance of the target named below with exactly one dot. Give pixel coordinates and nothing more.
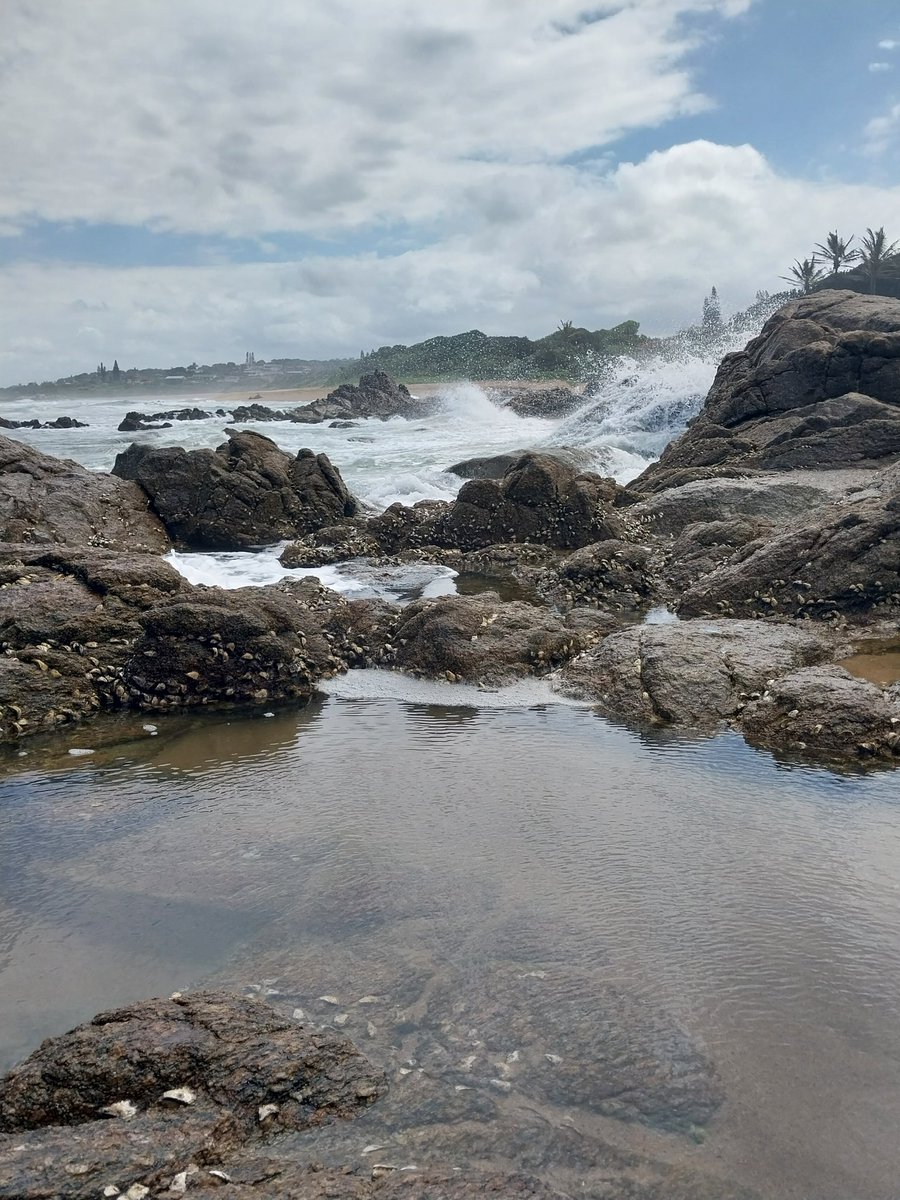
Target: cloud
(888, 44)
(881, 132)
(876, 67)
(203, 117)
(644, 240)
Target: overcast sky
(189, 179)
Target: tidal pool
(567, 943)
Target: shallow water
(410, 840)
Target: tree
(115, 370)
(836, 251)
(712, 313)
(804, 275)
(874, 254)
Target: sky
(185, 181)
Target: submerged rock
(247, 492)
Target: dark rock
(495, 466)
(134, 421)
(234, 1057)
(844, 558)
(614, 575)
(828, 713)
(90, 631)
(343, 425)
(694, 673)
(819, 387)
(44, 499)
(540, 402)
(34, 423)
(539, 500)
(481, 639)
(247, 492)
(376, 395)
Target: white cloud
(888, 44)
(877, 67)
(645, 241)
(222, 116)
(881, 132)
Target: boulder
(376, 395)
(51, 500)
(245, 493)
(132, 422)
(539, 499)
(844, 558)
(689, 673)
(826, 712)
(481, 639)
(495, 466)
(138, 1095)
(614, 575)
(548, 402)
(819, 387)
(34, 423)
(82, 632)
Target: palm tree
(875, 253)
(837, 251)
(806, 274)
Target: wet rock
(614, 575)
(238, 1056)
(826, 712)
(844, 558)
(245, 493)
(376, 395)
(539, 402)
(34, 423)
(495, 466)
(694, 673)
(132, 422)
(819, 387)
(539, 499)
(88, 631)
(481, 639)
(50, 500)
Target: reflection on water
(607, 907)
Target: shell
(126, 1109)
(266, 1110)
(180, 1095)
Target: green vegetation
(873, 266)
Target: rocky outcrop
(376, 395)
(827, 713)
(34, 423)
(843, 559)
(614, 575)
(819, 387)
(51, 500)
(141, 1094)
(539, 499)
(245, 493)
(132, 422)
(82, 632)
(550, 402)
(689, 673)
(481, 639)
(495, 466)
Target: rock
(844, 558)
(826, 712)
(539, 499)
(52, 500)
(236, 1054)
(134, 421)
(614, 575)
(247, 492)
(481, 639)
(376, 395)
(34, 423)
(83, 632)
(495, 466)
(819, 387)
(690, 673)
(539, 402)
